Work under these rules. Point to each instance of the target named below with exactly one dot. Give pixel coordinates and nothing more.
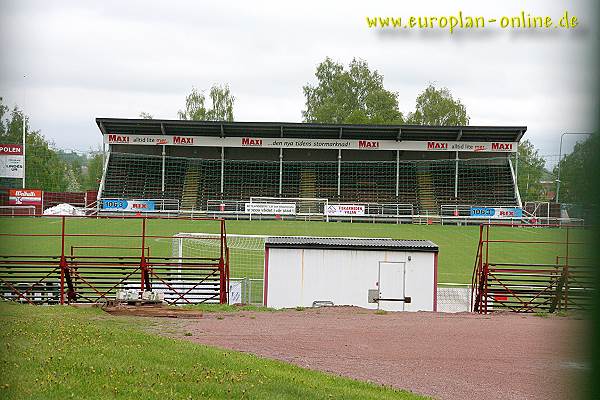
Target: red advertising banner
(11, 149)
(28, 197)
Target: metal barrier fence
(17, 210)
(540, 280)
(39, 268)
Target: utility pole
(23, 121)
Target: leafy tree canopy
(531, 173)
(438, 107)
(44, 169)
(577, 172)
(354, 96)
(221, 108)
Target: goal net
(246, 261)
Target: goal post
(246, 260)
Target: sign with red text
(346, 209)
(324, 144)
(25, 197)
(11, 161)
(127, 205)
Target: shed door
(391, 286)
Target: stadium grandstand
(388, 171)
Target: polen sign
(346, 209)
(25, 197)
(324, 144)
(11, 161)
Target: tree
(145, 115)
(438, 107)
(221, 110)
(83, 170)
(44, 169)
(531, 172)
(577, 172)
(353, 96)
(94, 171)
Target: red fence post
(476, 279)
(566, 272)
(63, 262)
(222, 280)
(486, 268)
(143, 258)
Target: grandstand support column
(514, 179)
(516, 165)
(222, 169)
(103, 179)
(280, 171)
(456, 177)
(339, 172)
(163, 170)
(397, 173)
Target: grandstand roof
(351, 244)
(123, 126)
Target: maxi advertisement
(127, 205)
(496, 212)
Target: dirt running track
(447, 356)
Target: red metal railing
(66, 277)
(534, 285)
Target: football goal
(246, 260)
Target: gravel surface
(447, 356)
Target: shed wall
(297, 277)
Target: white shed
(393, 275)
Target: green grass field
(63, 352)
(458, 244)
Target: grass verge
(64, 352)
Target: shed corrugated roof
(351, 243)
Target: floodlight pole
(24, 159)
(23, 118)
(559, 159)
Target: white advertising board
(235, 292)
(270, 208)
(325, 144)
(346, 209)
(11, 161)
(127, 205)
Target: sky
(69, 62)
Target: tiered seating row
(480, 182)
